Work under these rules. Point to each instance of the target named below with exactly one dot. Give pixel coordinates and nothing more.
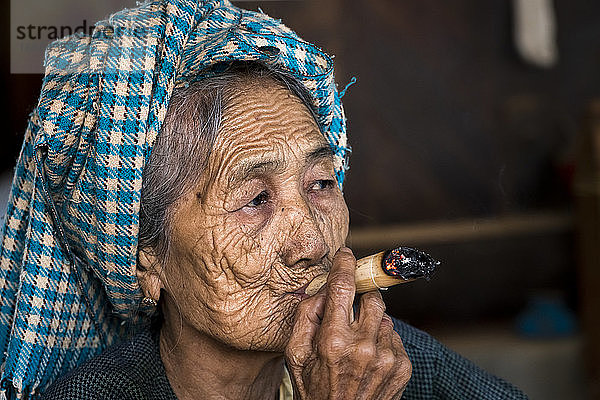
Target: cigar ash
(408, 263)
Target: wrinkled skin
(266, 219)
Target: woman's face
(267, 218)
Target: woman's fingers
(379, 376)
(401, 371)
(385, 334)
(307, 321)
(340, 289)
(370, 311)
(385, 375)
(331, 356)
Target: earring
(149, 302)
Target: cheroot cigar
(385, 269)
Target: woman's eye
(322, 184)
(262, 198)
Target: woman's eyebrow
(324, 151)
(251, 168)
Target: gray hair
(181, 151)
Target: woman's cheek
(336, 221)
(247, 247)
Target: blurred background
(475, 128)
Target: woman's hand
(332, 355)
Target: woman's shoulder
(130, 370)
(440, 373)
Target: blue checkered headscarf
(69, 245)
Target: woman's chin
(272, 337)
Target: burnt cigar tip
(408, 263)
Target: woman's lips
(301, 292)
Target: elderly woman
(178, 188)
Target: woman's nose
(304, 244)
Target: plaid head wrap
(69, 246)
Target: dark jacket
(133, 370)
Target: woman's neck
(199, 367)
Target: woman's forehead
(266, 128)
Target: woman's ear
(149, 273)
